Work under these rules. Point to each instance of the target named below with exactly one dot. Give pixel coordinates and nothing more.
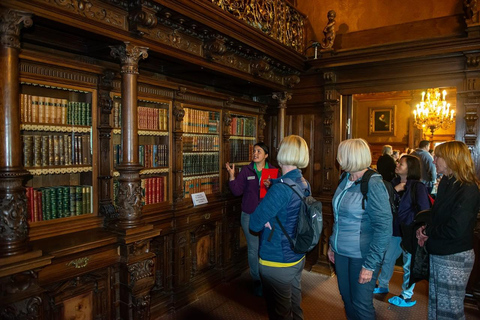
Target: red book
(266, 174)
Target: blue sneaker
(399, 301)
(380, 290)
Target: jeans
(357, 298)
(407, 292)
(282, 291)
(252, 246)
(391, 255)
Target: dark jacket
(429, 172)
(406, 209)
(453, 218)
(247, 183)
(280, 202)
(386, 167)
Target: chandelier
(433, 112)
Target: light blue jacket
(359, 233)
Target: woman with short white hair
(360, 232)
(281, 267)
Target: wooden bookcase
(243, 137)
(58, 141)
(201, 150)
(154, 149)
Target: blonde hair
(354, 155)
(293, 151)
(458, 160)
(387, 149)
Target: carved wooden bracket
(329, 77)
(129, 56)
(282, 98)
(471, 10)
(214, 46)
(259, 67)
(473, 61)
(142, 17)
(471, 117)
(291, 80)
(11, 22)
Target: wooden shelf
(58, 170)
(55, 127)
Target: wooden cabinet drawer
(74, 265)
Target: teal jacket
(359, 233)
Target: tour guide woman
(248, 184)
(360, 236)
(280, 267)
(449, 235)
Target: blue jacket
(359, 233)
(247, 183)
(406, 209)
(280, 201)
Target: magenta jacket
(247, 183)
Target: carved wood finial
(259, 67)
(282, 98)
(129, 56)
(142, 17)
(11, 21)
(291, 80)
(329, 32)
(472, 15)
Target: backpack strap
(364, 185)
(294, 186)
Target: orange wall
(360, 15)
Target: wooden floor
(321, 300)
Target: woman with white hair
(281, 267)
(360, 236)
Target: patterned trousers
(448, 280)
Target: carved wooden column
(330, 174)
(105, 104)
(13, 210)
(136, 274)
(178, 114)
(20, 294)
(282, 98)
(129, 193)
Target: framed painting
(382, 121)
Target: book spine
(27, 150)
(39, 215)
(85, 202)
(37, 148)
(64, 104)
(79, 199)
(73, 201)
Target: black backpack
(364, 189)
(309, 223)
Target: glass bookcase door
(57, 138)
(154, 149)
(201, 151)
(243, 136)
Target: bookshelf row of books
(38, 109)
(150, 155)
(199, 121)
(241, 150)
(148, 118)
(41, 150)
(208, 185)
(154, 190)
(58, 202)
(203, 143)
(200, 163)
(243, 126)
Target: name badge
(251, 178)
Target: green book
(48, 207)
(79, 202)
(53, 203)
(59, 197)
(66, 201)
(73, 201)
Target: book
(266, 174)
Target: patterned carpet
(321, 300)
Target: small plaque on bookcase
(199, 198)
